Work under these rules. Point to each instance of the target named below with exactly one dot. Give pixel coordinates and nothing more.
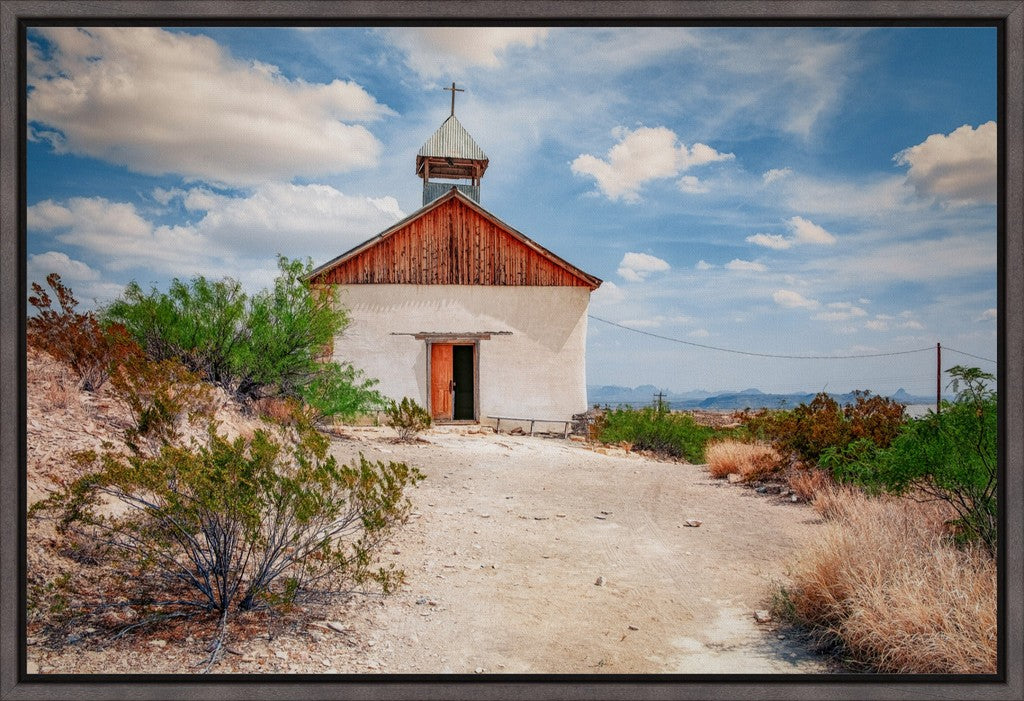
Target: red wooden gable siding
(452, 244)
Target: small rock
(633, 627)
(781, 637)
(421, 600)
(601, 518)
(560, 515)
(692, 523)
(336, 627)
(479, 670)
(794, 498)
(599, 582)
(762, 616)
(158, 643)
(761, 490)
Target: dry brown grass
(886, 583)
(751, 461)
(807, 484)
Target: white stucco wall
(536, 371)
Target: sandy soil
(523, 555)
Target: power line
(763, 355)
(971, 355)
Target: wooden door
(441, 381)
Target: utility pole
(938, 378)
(659, 400)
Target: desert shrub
(244, 523)
(158, 395)
(89, 348)
(340, 390)
(808, 431)
(883, 583)
(752, 461)
(950, 456)
(660, 431)
(273, 344)
(407, 417)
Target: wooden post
(938, 378)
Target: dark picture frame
(1008, 15)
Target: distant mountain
(751, 398)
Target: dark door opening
(462, 374)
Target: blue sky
(790, 191)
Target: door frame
(456, 341)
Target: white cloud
(745, 266)
(775, 241)
(83, 281)
(161, 102)
(690, 184)
(39, 265)
(803, 231)
(877, 325)
(635, 267)
(451, 51)
(704, 265)
(840, 311)
(989, 315)
(641, 155)
(770, 176)
(795, 300)
(699, 333)
(297, 220)
(607, 294)
(957, 168)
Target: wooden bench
(565, 428)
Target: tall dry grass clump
(751, 461)
(884, 582)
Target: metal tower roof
(451, 140)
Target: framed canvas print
(456, 349)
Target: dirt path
(510, 535)
(508, 539)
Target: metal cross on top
(454, 90)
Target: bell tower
(450, 158)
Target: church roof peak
(451, 140)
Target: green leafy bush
(951, 455)
(660, 431)
(274, 344)
(90, 348)
(407, 417)
(243, 523)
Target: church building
(454, 308)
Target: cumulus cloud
(85, 282)
(958, 168)
(450, 51)
(745, 266)
(794, 300)
(641, 155)
(312, 220)
(770, 176)
(160, 102)
(704, 265)
(802, 231)
(635, 267)
(690, 184)
(776, 241)
(607, 294)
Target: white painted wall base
(537, 370)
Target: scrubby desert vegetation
(176, 519)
